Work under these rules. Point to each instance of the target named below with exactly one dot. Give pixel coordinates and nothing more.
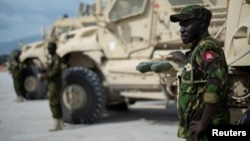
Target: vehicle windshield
(125, 8)
(62, 29)
(59, 30)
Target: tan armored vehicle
(237, 52)
(34, 56)
(102, 59)
(236, 47)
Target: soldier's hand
(196, 127)
(159, 57)
(177, 56)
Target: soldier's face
(190, 30)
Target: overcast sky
(23, 18)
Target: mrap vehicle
(101, 60)
(34, 56)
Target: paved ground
(30, 120)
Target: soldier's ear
(204, 24)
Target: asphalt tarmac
(30, 121)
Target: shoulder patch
(208, 56)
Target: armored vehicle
(236, 48)
(102, 59)
(34, 55)
(237, 52)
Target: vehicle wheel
(82, 96)
(33, 87)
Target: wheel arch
(34, 61)
(91, 60)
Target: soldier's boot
(57, 125)
(62, 123)
(19, 99)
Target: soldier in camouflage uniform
(16, 72)
(54, 80)
(203, 87)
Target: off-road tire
(33, 87)
(93, 92)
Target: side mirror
(98, 7)
(43, 32)
(20, 44)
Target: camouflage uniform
(16, 72)
(204, 79)
(54, 80)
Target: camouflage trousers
(18, 87)
(195, 138)
(54, 100)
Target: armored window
(62, 29)
(126, 8)
(88, 24)
(185, 2)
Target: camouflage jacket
(204, 80)
(16, 70)
(54, 70)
